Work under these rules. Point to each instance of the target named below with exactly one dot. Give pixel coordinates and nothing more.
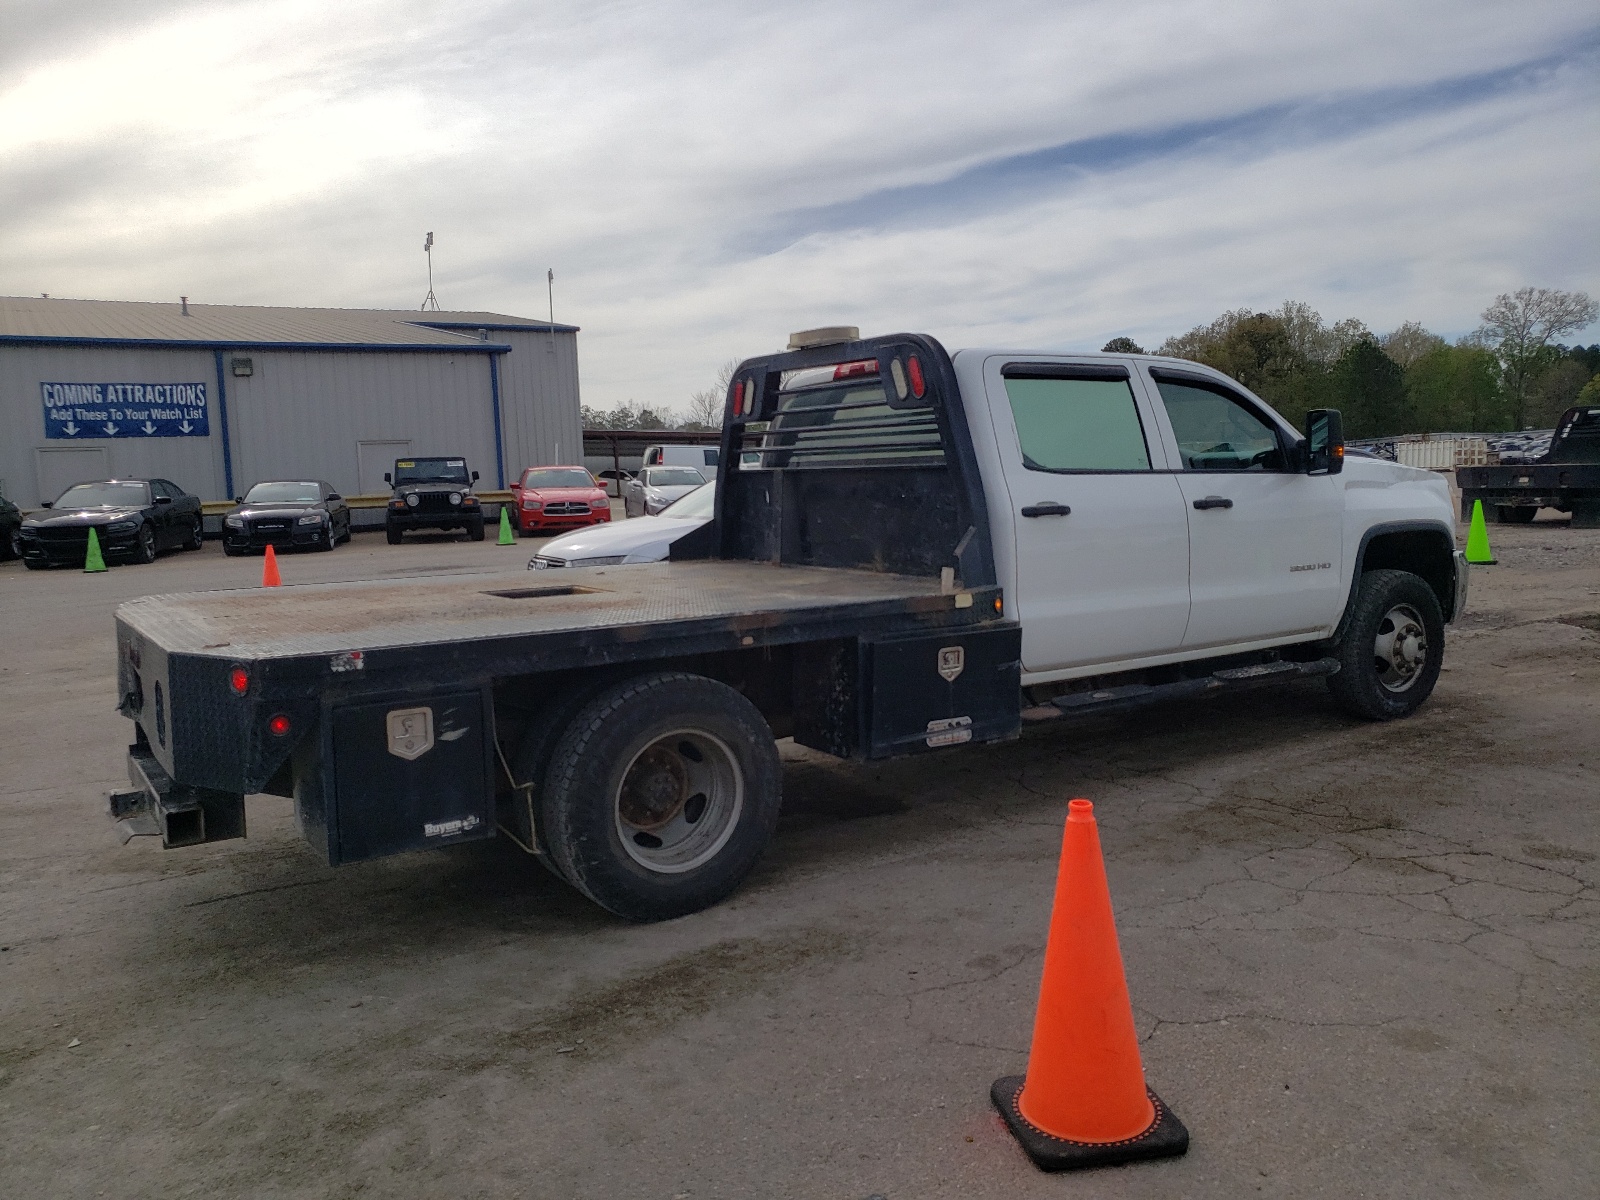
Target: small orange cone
(269, 572)
(1083, 1102)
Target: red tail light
(279, 726)
(738, 397)
(239, 681)
(919, 385)
(863, 366)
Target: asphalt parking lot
(1362, 958)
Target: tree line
(1511, 373)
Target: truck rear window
(850, 424)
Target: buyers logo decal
(952, 661)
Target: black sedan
(133, 519)
(286, 512)
(10, 529)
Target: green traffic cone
(94, 560)
(507, 538)
(1478, 539)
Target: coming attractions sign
(78, 411)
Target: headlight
(310, 519)
(531, 504)
(455, 497)
(234, 522)
(122, 526)
(413, 499)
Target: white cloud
(291, 152)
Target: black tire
(144, 549)
(1401, 609)
(326, 541)
(34, 566)
(10, 545)
(475, 529)
(196, 536)
(232, 551)
(1519, 514)
(394, 535)
(701, 737)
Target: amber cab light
(279, 725)
(239, 681)
(919, 385)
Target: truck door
(1264, 541)
(1101, 540)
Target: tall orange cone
(269, 572)
(1083, 1102)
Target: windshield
(284, 493)
(431, 470)
(104, 495)
(698, 505)
(558, 477)
(673, 477)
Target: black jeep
(432, 493)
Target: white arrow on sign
(148, 428)
(70, 429)
(111, 429)
(185, 426)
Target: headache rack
(854, 454)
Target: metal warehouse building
(216, 397)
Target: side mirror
(386, 478)
(46, 503)
(333, 498)
(163, 499)
(1324, 446)
(474, 477)
(238, 499)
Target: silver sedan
(656, 487)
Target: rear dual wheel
(657, 793)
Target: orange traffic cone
(1083, 1102)
(269, 572)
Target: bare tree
(1520, 327)
(705, 407)
(1408, 342)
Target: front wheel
(1392, 648)
(661, 795)
(144, 550)
(475, 529)
(196, 536)
(394, 535)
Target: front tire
(1392, 647)
(661, 794)
(475, 529)
(394, 535)
(144, 549)
(196, 537)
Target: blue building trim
(222, 419)
(464, 347)
(499, 440)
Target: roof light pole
(430, 300)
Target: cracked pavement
(1362, 958)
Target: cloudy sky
(705, 177)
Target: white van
(702, 458)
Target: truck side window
(1216, 432)
(1077, 424)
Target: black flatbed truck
(856, 611)
(1567, 478)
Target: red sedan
(550, 499)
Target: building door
(376, 458)
(58, 468)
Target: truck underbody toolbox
(178, 814)
(1129, 696)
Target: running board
(1137, 695)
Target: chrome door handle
(1213, 502)
(1048, 509)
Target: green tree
(1369, 388)
(1122, 345)
(1409, 342)
(1557, 389)
(1520, 327)
(1456, 389)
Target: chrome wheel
(147, 544)
(1400, 649)
(679, 801)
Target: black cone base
(1165, 1138)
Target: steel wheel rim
(678, 801)
(1400, 649)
